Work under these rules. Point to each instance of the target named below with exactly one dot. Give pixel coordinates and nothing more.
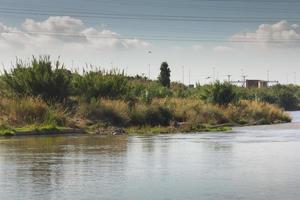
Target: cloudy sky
(199, 39)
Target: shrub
(111, 112)
(40, 79)
(101, 84)
(256, 112)
(157, 115)
(220, 93)
(31, 110)
(288, 100)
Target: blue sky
(263, 10)
(196, 34)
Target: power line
(145, 17)
(187, 39)
(80, 35)
(137, 15)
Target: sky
(198, 38)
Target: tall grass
(163, 111)
(30, 110)
(39, 78)
(257, 112)
(96, 84)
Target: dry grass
(256, 113)
(30, 110)
(244, 112)
(194, 111)
(160, 112)
(112, 112)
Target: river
(258, 163)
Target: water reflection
(42, 165)
(249, 163)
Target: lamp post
(149, 66)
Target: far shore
(42, 97)
(116, 131)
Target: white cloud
(281, 33)
(61, 32)
(54, 24)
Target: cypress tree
(165, 73)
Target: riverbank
(8, 132)
(43, 97)
(32, 116)
(39, 130)
(145, 130)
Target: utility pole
(244, 80)
(243, 77)
(149, 66)
(229, 77)
(183, 75)
(189, 76)
(214, 74)
(268, 75)
(149, 72)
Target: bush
(220, 93)
(101, 84)
(30, 110)
(288, 100)
(111, 112)
(39, 79)
(252, 112)
(158, 115)
(152, 114)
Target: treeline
(50, 93)
(284, 96)
(53, 83)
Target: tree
(288, 100)
(165, 73)
(220, 93)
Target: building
(256, 84)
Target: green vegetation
(222, 94)
(40, 96)
(40, 79)
(165, 73)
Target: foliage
(220, 93)
(40, 95)
(39, 78)
(287, 97)
(164, 76)
(94, 84)
(30, 110)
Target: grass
(149, 130)
(33, 129)
(6, 131)
(31, 110)
(161, 115)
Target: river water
(258, 163)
